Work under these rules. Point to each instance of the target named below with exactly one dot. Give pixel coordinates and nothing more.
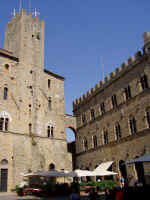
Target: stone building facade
(32, 107)
(113, 119)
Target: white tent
(52, 173)
(103, 173)
(101, 170)
(104, 166)
(79, 173)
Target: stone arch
(70, 122)
(51, 166)
(4, 162)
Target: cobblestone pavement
(13, 196)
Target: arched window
(95, 141)
(5, 93)
(4, 124)
(144, 82)
(51, 166)
(50, 131)
(118, 131)
(1, 124)
(92, 114)
(49, 103)
(6, 66)
(30, 128)
(127, 92)
(49, 83)
(148, 116)
(123, 171)
(83, 118)
(132, 123)
(105, 137)
(85, 144)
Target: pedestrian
(93, 194)
(74, 194)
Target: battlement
(113, 75)
(23, 13)
(25, 29)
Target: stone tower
(32, 109)
(25, 38)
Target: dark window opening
(123, 171)
(49, 83)
(144, 82)
(5, 93)
(30, 128)
(50, 131)
(95, 141)
(83, 118)
(132, 125)
(92, 114)
(127, 92)
(140, 172)
(49, 103)
(148, 118)
(118, 131)
(114, 100)
(105, 137)
(51, 166)
(102, 106)
(6, 66)
(85, 143)
(6, 124)
(38, 36)
(1, 124)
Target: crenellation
(138, 55)
(102, 83)
(118, 69)
(131, 60)
(36, 19)
(112, 74)
(106, 79)
(124, 65)
(30, 14)
(146, 37)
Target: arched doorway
(70, 134)
(123, 171)
(140, 171)
(51, 166)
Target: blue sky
(80, 35)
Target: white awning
(104, 166)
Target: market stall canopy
(79, 173)
(145, 158)
(51, 173)
(104, 166)
(103, 173)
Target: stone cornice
(117, 142)
(114, 76)
(117, 108)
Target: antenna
(102, 64)
(14, 12)
(29, 5)
(35, 13)
(20, 5)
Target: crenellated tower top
(25, 38)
